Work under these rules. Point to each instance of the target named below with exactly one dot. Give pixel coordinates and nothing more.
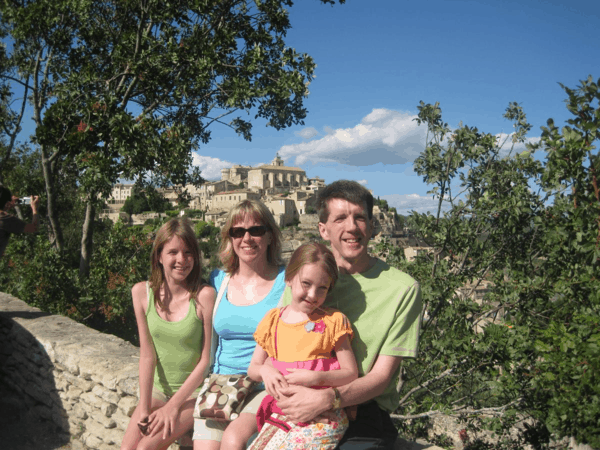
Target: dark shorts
(372, 429)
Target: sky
(377, 59)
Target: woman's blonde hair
(181, 227)
(312, 253)
(260, 213)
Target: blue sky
(376, 59)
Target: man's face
(11, 203)
(349, 229)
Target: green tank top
(178, 346)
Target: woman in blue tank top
(250, 284)
(174, 317)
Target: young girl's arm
(261, 369)
(147, 354)
(347, 373)
(167, 416)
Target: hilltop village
(287, 191)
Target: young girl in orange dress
(307, 345)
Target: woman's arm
(147, 354)
(169, 413)
(347, 373)
(260, 369)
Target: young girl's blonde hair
(260, 213)
(312, 253)
(181, 227)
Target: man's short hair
(346, 190)
(5, 196)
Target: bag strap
(215, 337)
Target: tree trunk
(48, 166)
(86, 240)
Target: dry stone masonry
(84, 381)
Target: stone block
(108, 447)
(79, 412)
(106, 422)
(127, 405)
(91, 441)
(76, 444)
(113, 436)
(120, 419)
(106, 394)
(74, 393)
(76, 427)
(38, 394)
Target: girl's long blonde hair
(181, 227)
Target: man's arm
(33, 226)
(303, 404)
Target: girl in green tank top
(174, 317)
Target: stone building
(236, 174)
(228, 199)
(283, 209)
(275, 178)
(202, 196)
(120, 192)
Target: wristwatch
(337, 400)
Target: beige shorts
(158, 395)
(212, 430)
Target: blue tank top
(235, 325)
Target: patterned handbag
(222, 396)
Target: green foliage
(525, 234)
(143, 200)
(209, 240)
(391, 254)
(311, 209)
(383, 204)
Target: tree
(119, 89)
(511, 292)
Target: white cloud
(383, 136)
(506, 141)
(405, 203)
(210, 167)
(363, 182)
(307, 133)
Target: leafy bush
(511, 290)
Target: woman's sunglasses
(239, 232)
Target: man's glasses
(239, 232)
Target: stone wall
(84, 381)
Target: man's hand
(302, 404)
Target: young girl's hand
(273, 380)
(303, 377)
(163, 419)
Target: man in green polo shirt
(384, 307)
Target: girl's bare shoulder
(206, 296)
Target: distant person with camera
(10, 224)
